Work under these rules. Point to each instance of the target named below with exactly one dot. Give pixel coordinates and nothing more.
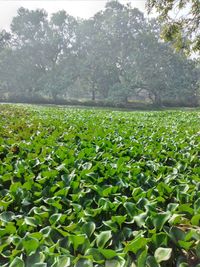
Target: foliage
(114, 55)
(182, 22)
(99, 188)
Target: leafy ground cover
(90, 188)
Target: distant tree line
(117, 55)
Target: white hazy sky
(76, 8)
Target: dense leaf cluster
(99, 188)
(117, 56)
(181, 23)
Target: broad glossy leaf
(84, 263)
(151, 261)
(88, 228)
(95, 253)
(77, 240)
(118, 219)
(30, 244)
(112, 263)
(140, 219)
(160, 219)
(62, 261)
(162, 254)
(136, 244)
(103, 238)
(108, 253)
(30, 221)
(17, 262)
(7, 216)
(131, 208)
(196, 219)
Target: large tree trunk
(93, 95)
(157, 100)
(125, 99)
(54, 96)
(193, 99)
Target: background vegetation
(116, 57)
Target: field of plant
(99, 188)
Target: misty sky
(77, 8)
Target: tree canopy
(117, 55)
(181, 22)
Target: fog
(82, 9)
(113, 55)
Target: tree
(30, 59)
(38, 49)
(96, 68)
(167, 76)
(111, 56)
(122, 26)
(181, 22)
(58, 49)
(5, 39)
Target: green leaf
(87, 166)
(141, 262)
(39, 264)
(162, 254)
(88, 228)
(111, 225)
(9, 229)
(151, 262)
(55, 218)
(186, 208)
(46, 231)
(195, 220)
(36, 235)
(176, 219)
(140, 219)
(159, 239)
(198, 249)
(7, 216)
(131, 208)
(17, 262)
(112, 263)
(183, 264)
(62, 261)
(177, 234)
(5, 244)
(119, 219)
(160, 219)
(136, 244)
(103, 238)
(172, 207)
(95, 253)
(84, 263)
(30, 221)
(30, 244)
(77, 240)
(108, 253)
(36, 258)
(185, 245)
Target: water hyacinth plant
(95, 188)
